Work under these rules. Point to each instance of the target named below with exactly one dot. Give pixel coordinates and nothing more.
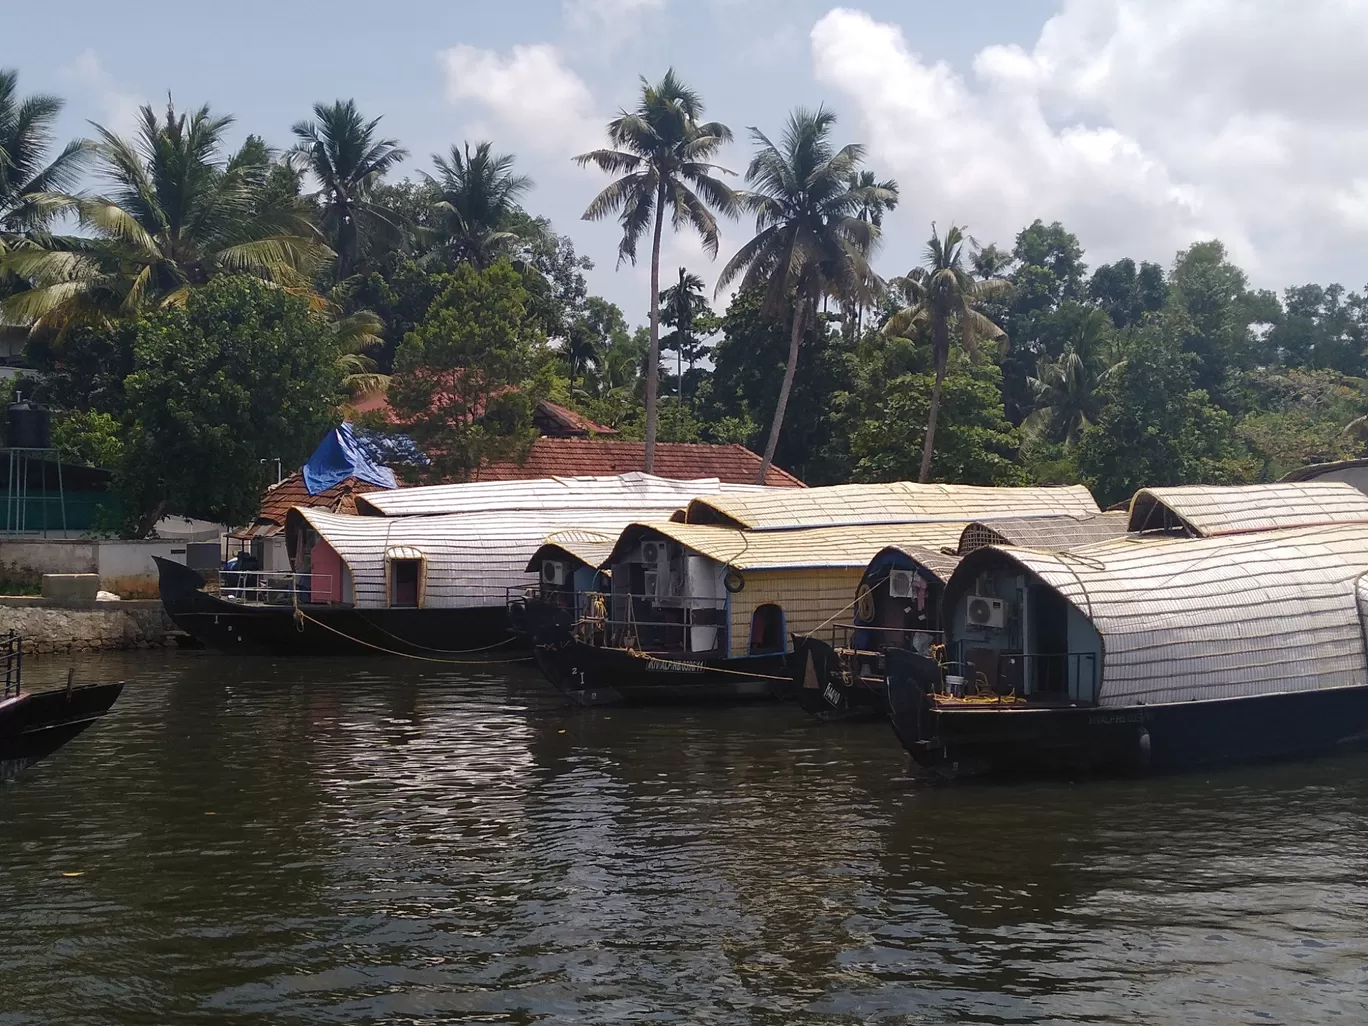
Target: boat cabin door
(1050, 644)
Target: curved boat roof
(644, 492)
(806, 549)
(1207, 511)
(1209, 618)
(577, 545)
(938, 563)
(898, 502)
(1049, 533)
(472, 558)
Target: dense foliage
(191, 311)
(242, 372)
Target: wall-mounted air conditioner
(901, 583)
(653, 553)
(983, 611)
(553, 572)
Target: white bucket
(955, 685)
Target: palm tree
(28, 179)
(942, 295)
(681, 305)
(178, 213)
(663, 153)
(990, 262)
(341, 151)
(479, 207)
(1066, 395)
(810, 241)
(881, 198)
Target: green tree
(1066, 390)
(180, 213)
(810, 241)
(239, 373)
(1156, 427)
(663, 151)
(943, 296)
(467, 379)
(684, 306)
(976, 444)
(340, 149)
(1127, 292)
(29, 173)
(479, 214)
(749, 363)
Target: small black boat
(33, 725)
(260, 613)
(577, 658)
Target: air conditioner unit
(982, 611)
(901, 583)
(653, 553)
(553, 572)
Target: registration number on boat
(673, 666)
(832, 696)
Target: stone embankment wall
(91, 627)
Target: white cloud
(607, 24)
(118, 108)
(529, 93)
(1141, 124)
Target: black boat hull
(821, 685)
(315, 630)
(34, 725)
(591, 675)
(1120, 739)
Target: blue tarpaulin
(339, 457)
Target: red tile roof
(551, 418)
(567, 423)
(281, 498)
(684, 461)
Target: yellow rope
(406, 655)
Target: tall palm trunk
(796, 336)
(653, 357)
(940, 336)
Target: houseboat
(1227, 625)
(701, 612)
(419, 583)
(898, 605)
(897, 502)
(34, 724)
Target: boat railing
(12, 646)
(1067, 676)
(271, 587)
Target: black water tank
(28, 426)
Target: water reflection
(314, 842)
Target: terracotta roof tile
(685, 461)
(567, 422)
(281, 498)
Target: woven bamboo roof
(1050, 534)
(811, 548)
(577, 545)
(1207, 511)
(1211, 618)
(939, 563)
(899, 502)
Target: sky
(1142, 125)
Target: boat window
(404, 577)
(767, 629)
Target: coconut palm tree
(479, 207)
(178, 212)
(680, 306)
(663, 152)
(340, 150)
(942, 295)
(1067, 397)
(28, 179)
(810, 241)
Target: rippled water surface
(289, 843)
